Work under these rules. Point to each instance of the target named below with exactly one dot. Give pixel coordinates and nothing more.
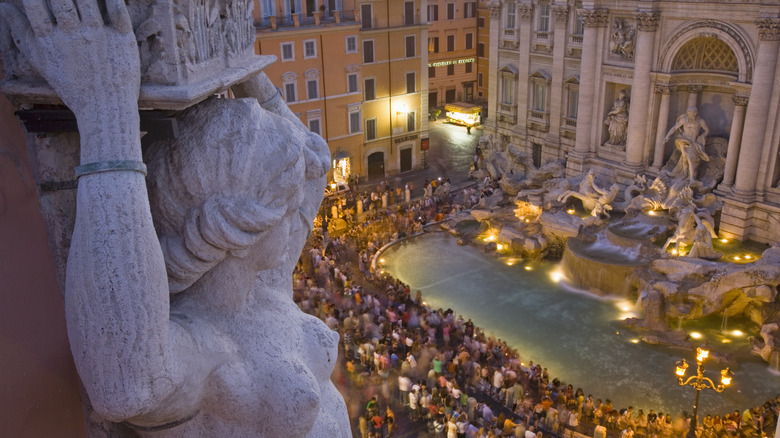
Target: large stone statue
(179, 299)
(617, 120)
(690, 143)
(594, 198)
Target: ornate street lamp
(699, 382)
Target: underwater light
(570, 211)
(556, 275)
(737, 333)
(695, 335)
(528, 268)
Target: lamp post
(699, 382)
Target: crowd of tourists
(448, 376)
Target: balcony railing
(539, 120)
(297, 20)
(576, 39)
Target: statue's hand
(90, 64)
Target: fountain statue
(690, 143)
(617, 121)
(594, 198)
(179, 295)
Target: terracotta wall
(39, 388)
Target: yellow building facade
(353, 72)
(452, 50)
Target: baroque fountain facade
(657, 124)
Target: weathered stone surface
(560, 224)
(216, 224)
(482, 215)
(677, 269)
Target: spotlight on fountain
(695, 335)
(556, 276)
(528, 268)
(635, 341)
(570, 211)
(738, 333)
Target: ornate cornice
(768, 29)
(561, 13)
(739, 100)
(647, 21)
(695, 89)
(594, 17)
(525, 11)
(495, 8)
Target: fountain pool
(575, 335)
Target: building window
(469, 9)
(450, 43)
(469, 41)
(409, 13)
(510, 15)
(411, 121)
(289, 92)
(479, 79)
(371, 129)
(351, 42)
(433, 12)
(508, 83)
(368, 51)
(309, 49)
(450, 11)
(469, 67)
(288, 52)
(431, 72)
(544, 18)
(410, 46)
(368, 89)
(579, 25)
(314, 126)
(450, 69)
(481, 49)
(481, 22)
(354, 120)
(366, 16)
(352, 82)
(573, 100)
(540, 96)
(311, 89)
(433, 45)
(411, 81)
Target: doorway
(376, 166)
(449, 96)
(406, 159)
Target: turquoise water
(576, 336)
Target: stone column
(524, 14)
(735, 140)
(660, 133)
(646, 25)
(493, 79)
(693, 95)
(593, 20)
(560, 15)
(758, 108)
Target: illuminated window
(433, 45)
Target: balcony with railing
(317, 18)
(568, 127)
(507, 113)
(539, 120)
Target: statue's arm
(116, 294)
(673, 129)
